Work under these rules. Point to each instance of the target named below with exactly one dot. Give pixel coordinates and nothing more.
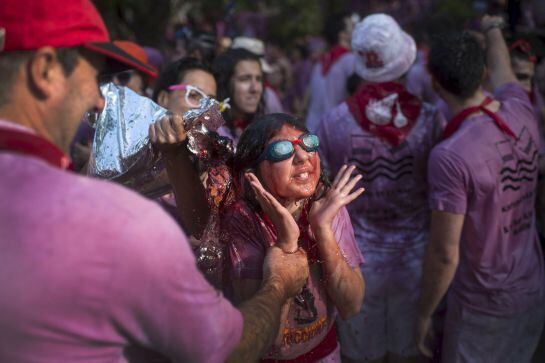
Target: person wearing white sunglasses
(182, 85)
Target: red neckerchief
(331, 57)
(524, 47)
(306, 242)
(33, 145)
(457, 120)
(409, 104)
(240, 123)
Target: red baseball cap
(33, 24)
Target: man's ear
(162, 98)
(2, 38)
(45, 72)
(485, 75)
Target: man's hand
(498, 61)
(424, 336)
(283, 277)
(168, 132)
(488, 22)
(288, 271)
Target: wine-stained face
(293, 178)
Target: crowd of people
(382, 201)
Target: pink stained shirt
(391, 218)
(248, 237)
(327, 91)
(419, 80)
(491, 179)
(89, 268)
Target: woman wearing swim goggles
(283, 200)
(284, 149)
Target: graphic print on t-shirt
(376, 159)
(306, 311)
(519, 164)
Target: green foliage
(459, 10)
(291, 19)
(146, 21)
(143, 21)
(294, 19)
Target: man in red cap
(87, 267)
(137, 79)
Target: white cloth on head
(384, 51)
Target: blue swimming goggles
(284, 149)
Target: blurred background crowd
(294, 33)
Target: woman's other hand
(340, 194)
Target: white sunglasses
(193, 95)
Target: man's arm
(284, 276)
(441, 259)
(440, 266)
(497, 53)
(261, 323)
(194, 322)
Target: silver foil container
(122, 151)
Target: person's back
(484, 254)
(335, 80)
(387, 133)
(316, 107)
(328, 79)
(328, 88)
(419, 80)
(89, 268)
(501, 267)
(391, 220)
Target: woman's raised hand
(167, 131)
(286, 227)
(325, 209)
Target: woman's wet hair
(253, 142)
(224, 68)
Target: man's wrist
(499, 24)
(424, 313)
(276, 286)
